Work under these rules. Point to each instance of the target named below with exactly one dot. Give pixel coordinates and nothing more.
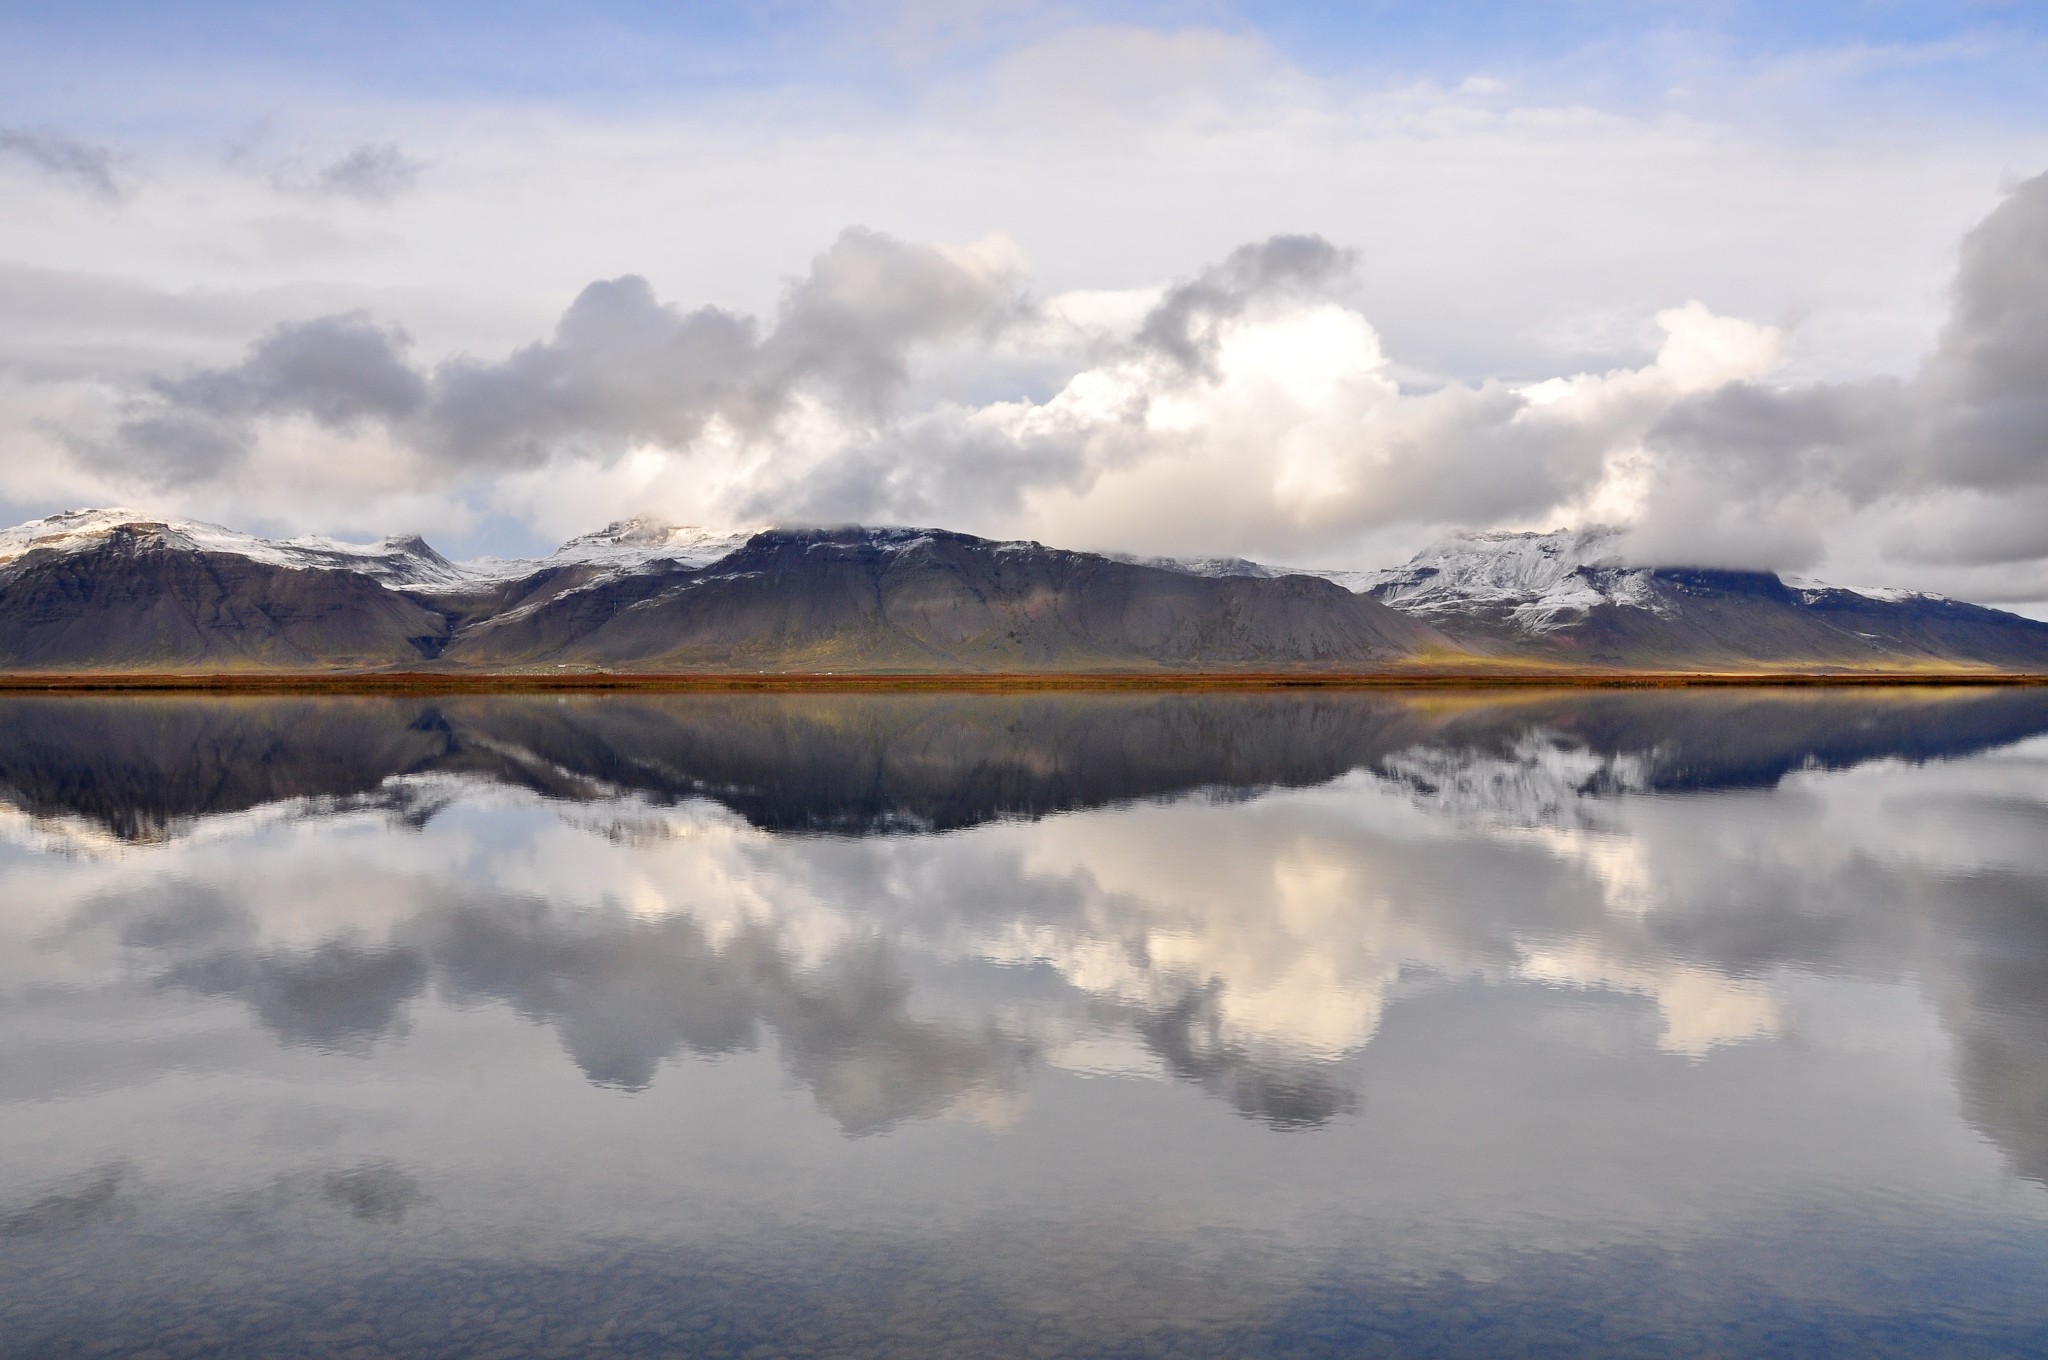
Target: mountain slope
(144, 595)
(112, 590)
(109, 589)
(1568, 597)
(918, 600)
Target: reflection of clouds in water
(1245, 947)
(1700, 1009)
(1191, 1038)
(374, 1192)
(92, 1199)
(625, 993)
(339, 995)
(1250, 947)
(1992, 989)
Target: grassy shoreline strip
(457, 682)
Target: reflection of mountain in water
(882, 763)
(627, 992)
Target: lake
(1337, 1023)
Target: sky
(1313, 283)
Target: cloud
(86, 165)
(1185, 324)
(340, 370)
(1251, 407)
(622, 369)
(376, 172)
(1985, 391)
(1750, 473)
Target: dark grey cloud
(343, 371)
(340, 370)
(622, 367)
(171, 447)
(1986, 387)
(376, 172)
(1183, 324)
(85, 164)
(1973, 419)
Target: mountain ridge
(107, 590)
(113, 589)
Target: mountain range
(115, 590)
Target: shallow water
(1352, 1024)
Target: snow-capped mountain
(1539, 581)
(624, 545)
(398, 562)
(1546, 581)
(113, 589)
(1575, 596)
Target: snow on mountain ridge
(398, 562)
(1541, 580)
(1537, 581)
(623, 545)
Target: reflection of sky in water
(1288, 1022)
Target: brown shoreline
(463, 682)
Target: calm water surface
(1086, 1025)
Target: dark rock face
(929, 601)
(139, 602)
